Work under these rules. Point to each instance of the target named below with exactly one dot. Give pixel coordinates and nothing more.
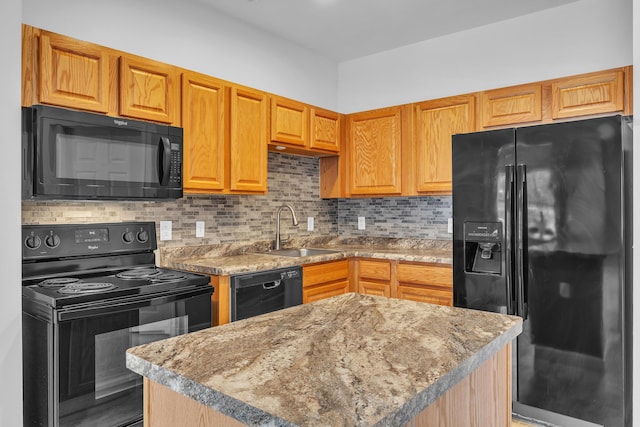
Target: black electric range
(89, 292)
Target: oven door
(83, 155)
(90, 383)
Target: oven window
(94, 386)
(112, 375)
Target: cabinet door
(149, 90)
(436, 122)
(425, 282)
(512, 105)
(324, 280)
(325, 130)
(203, 115)
(375, 151)
(248, 140)
(73, 73)
(289, 122)
(368, 287)
(601, 92)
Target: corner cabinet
(435, 123)
(374, 152)
(303, 129)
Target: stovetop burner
(86, 288)
(56, 282)
(139, 273)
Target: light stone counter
(350, 360)
(223, 260)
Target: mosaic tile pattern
(405, 217)
(229, 218)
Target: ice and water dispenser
(483, 247)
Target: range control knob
(128, 237)
(143, 236)
(52, 241)
(33, 242)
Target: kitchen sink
(300, 252)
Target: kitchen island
(350, 360)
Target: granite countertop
(225, 260)
(351, 360)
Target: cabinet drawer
(319, 292)
(375, 269)
(325, 272)
(425, 275)
(425, 294)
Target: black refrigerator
(542, 229)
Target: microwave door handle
(164, 160)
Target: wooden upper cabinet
(73, 73)
(435, 123)
(248, 140)
(325, 130)
(289, 122)
(149, 90)
(601, 92)
(512, 105)
(374, 144)
(203, 121)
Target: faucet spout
(293, 218)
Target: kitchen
(183, 226)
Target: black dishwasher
(262, 292)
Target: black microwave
(69, 154)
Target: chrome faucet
(295, 222)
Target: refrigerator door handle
(521, 241)
(509, 178)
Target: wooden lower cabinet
(324, 280)
(422, 282)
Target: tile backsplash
(229, 218)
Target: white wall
(190, 35)
(636, 217)
(588, 35)
(10, 313)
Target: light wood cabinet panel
(375, 149)
(220, 300)
(149, 90)
(324, 280)
(248, 140)
(426, 283)
(512, 105)
(289, 122)
(203, 120)
(328, 290)
(593, 93)
(73, 73)
(374, 288)
(372, 269)
(325, 130)
(436, 121)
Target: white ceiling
(348, 29)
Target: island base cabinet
(482, 398)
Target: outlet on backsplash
(361, 223)
(165, 230)
(199, 228)
(310, 223)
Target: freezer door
(483, 170)
(570, 353)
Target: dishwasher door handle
(271, 285)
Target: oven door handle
(101, 308)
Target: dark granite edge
(233, 408)
(428, 396)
